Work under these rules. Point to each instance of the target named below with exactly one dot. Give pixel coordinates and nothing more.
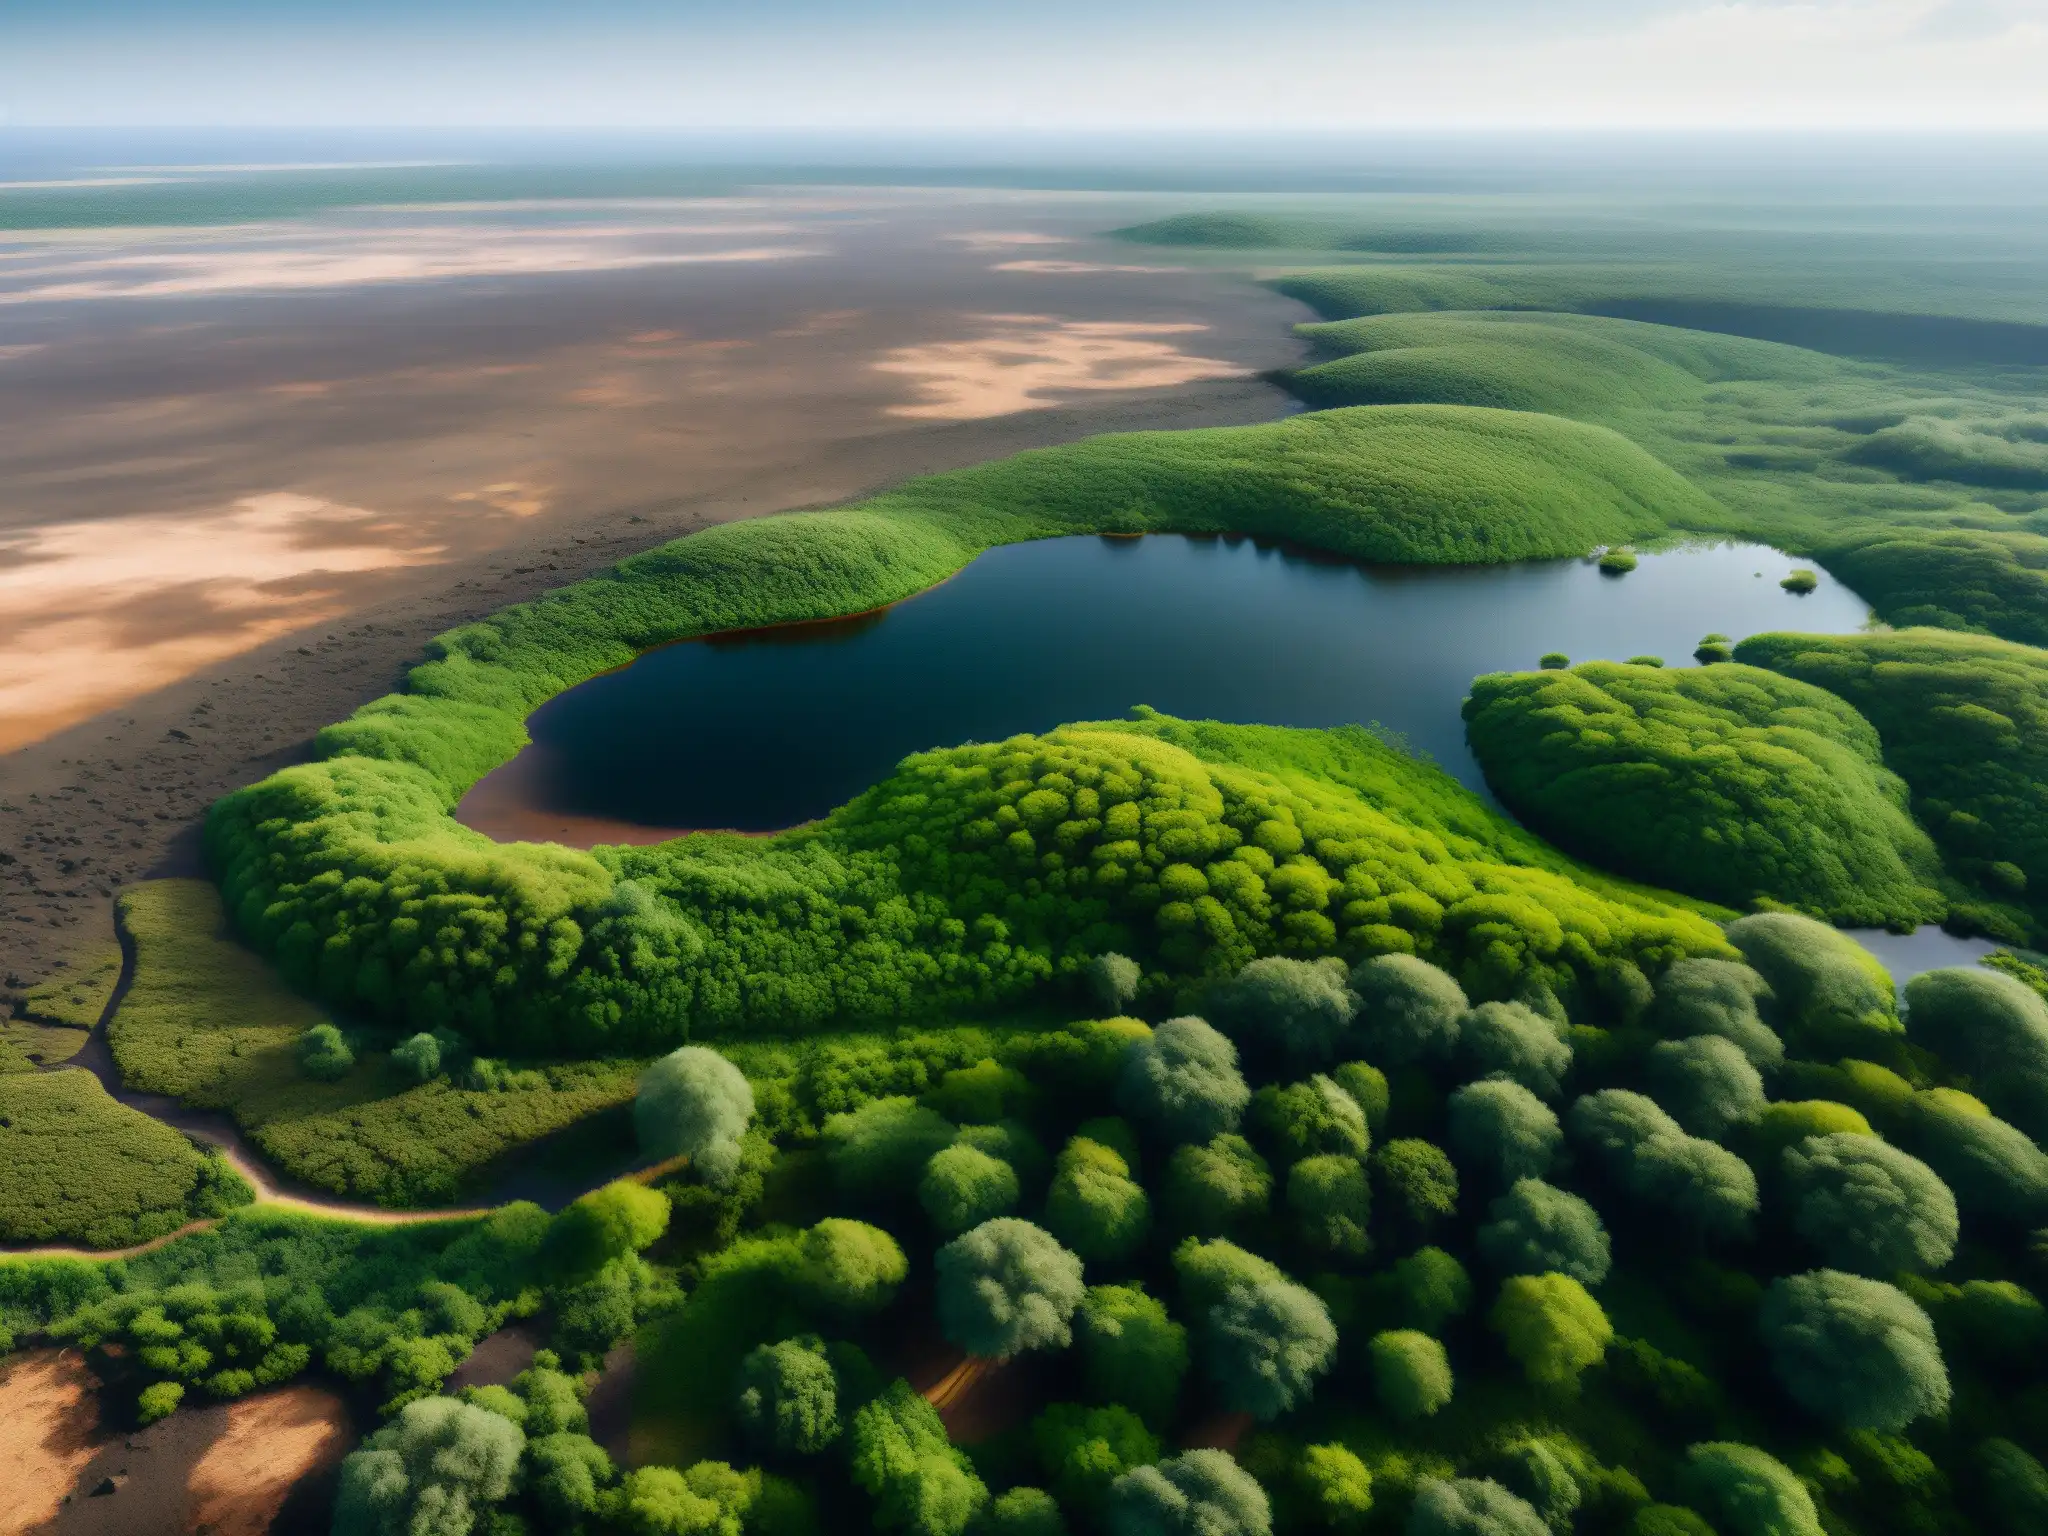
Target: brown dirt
(1224, 1432)
(49, 1430)
(394, 459)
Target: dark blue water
(770, 729)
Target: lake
(766, 729)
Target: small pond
(766, 729)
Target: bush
(1853, 1351)
(1007, 1286)
(1306, 1119)
(963, 1187)
(605, 1225)
(1197, 1493)
(1553, 661)
(982, 1094)
(1132, 1351)
(900, 1455)
(1469, 1506)
(1083, 1450)
(1024, 1512)
(1704, 1187)
(1011, 1143)
(1508, 1040)
(1418, 1184)
(788, 1399)
(1113, 981)
(1868, 1207)
(1331, 1204)
(1749, 1493)
(1408, 1010)
(1552, 1327)
(1183, 1084)
(435, 1468)
(419, 1058)
(1993, 1169)
(1264, 1345)
(1618, 562)
(1411, 1374)
(1537, 1229)
(1832, 995)
(1786, 1124)
(708, 1499)
(694, 1103)
(848, 1267)
(1504, 1130)
(879, 1151)
(1717, 997)
(568, 1475)
(324, 1055)
(1992, 1028)
(1094, 1206)
(1210, 1190)
(2015, 1485)
(1706, 1083)
(1426, 1290)
(1368, 1088)
(1304, 1008)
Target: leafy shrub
(900, 1455)
(1113, 980)
(1263, 1345)
(1991, 1027)
(694, 1103)
(1094, 1206)
(1853, 1351)
(1408, 1010)
(607, 1224)
(788, 1398)
(1993, 1169)
(324, 1055)
(1552, 1327)
(1132, 1351)
(963, 1187)
(1306, 1119)
(1868, 1207)
(1504, 1130)
(1302, 1008)
(879, 1151)
(1007, 1286)
(982, 1094)
(1417, 1183)
(1509, 1040)
(1704, 1187)
(1469, 1506)
(1749, 1492)
(1183, 1084)
(1426, 1290)
(1368, 1088)
(1537, 1229)
(1197, 1493)
(1411, 1374)
(1331, 1203)
(1717, 997)
(436, 1468)
(1024, 1512)
(848, 1267)
(1338, 1486)
(1083, 1450)
(1706, 1082)
(1209, 1190)
(1832, 995)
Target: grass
(1728, 782)
(209, 1023)
(56, 1016)
(83, 1168)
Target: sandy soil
(238, 510)
(48, 1434)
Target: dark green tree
(1305, 1119)
(1007, 1286)
(879, 1151)
(1083, 1450)
(788, 1398)
(1868, 1207)
(1503, 1130)
(1264, 1345)
(1132, 1351)
(1536, 1229)
(1471, 1506)
(433, 1471)
(1331, 1203)
(1748, 1492)
(1197, 1493)
(1183, 1084)
(1706, 1083)
(1512, 1041)
(1411, 1374)
(1303, 1007)
(1855, 1352)
(1024, 1512)
(1418, 1184)
(900, 1455)
(1094, 1206)
(963, 1187)
(1212, 1189)
(1991, 1027)
(1717, 997)
(1408, 1010)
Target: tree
(694, 1103)
(1829, 990)
(1113, 980)
(899, 1453)
(1014, 1144)
(1210, 1271)
(1301, 1006)
(1992, 1027)
(1367, 1085)
(1668, 1520)
(1427, 1289)
(1083, 1450)
(981, 1094)
(1417, 1182)
(1790, 1121)
(1537, 1474)
(1705, 1082)
(1411, 1374)
(1132, 1351)
(707, 1499)
(431, 1472)
(1094, 1206)
(1408, 1010)
(605, 1225)
(849, 1267)
(569, 1475)
(1197, 1493)
(1538, 1229)
(1504, 1130)
(1552, 1327)
(1211, 1189)
(1747, 1492)
(1513, 1041)
(1007, 1286)
(1024, 1512)
(963, 1187)
(1264, 1345)
(1304, 1119)
(1471, 1506)
(1703, 1187)
(1717, 997)
(324, 1055)
(2015, 1485)
(788, 1399)
(1331, 1203)
(1338, 1486)
(418, 1057)
(879, 1151)
(1853, 1351)
(1868, 1207)
(1993, 1168)
(1182, 1084)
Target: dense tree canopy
(1304, 1119)
(1510, 1040)
(1331, 1203)
(849, 1267)
(788, 1400)
(1707, 1189)
(1025, 1512)
(1301, 1008)
(1417, 1183)
(1132, 1351)
(1706, 1083)
(1748, 1492)
(963, 1186)
(1427, 1289)
(1868, 1207)
(1007, 1286)
(1831, 995)
(1197, 1493)
(1113, 980)
(694, 1103)
(1209, 1190)
(433, 1471)
(1717, 997)
(1408, 1010)
(1537, 1229)
(1264, 1345)
(607, 1224)
(899, 1454)
(1853, 1351)
(879, 1151)
(1994, 1169)
(1082, 1450)
(1183, 1084)
(1991, 1027)
(1503, 1131)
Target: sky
(1032, 64)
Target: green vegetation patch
(1964, 721)
(970, 877)
(83, 1168)
(210, 1023)
(76, 996)
(1729, 782)
(1245, 231)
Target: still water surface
(768, 729)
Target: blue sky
(1084, 64)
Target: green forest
(1162, 1127)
